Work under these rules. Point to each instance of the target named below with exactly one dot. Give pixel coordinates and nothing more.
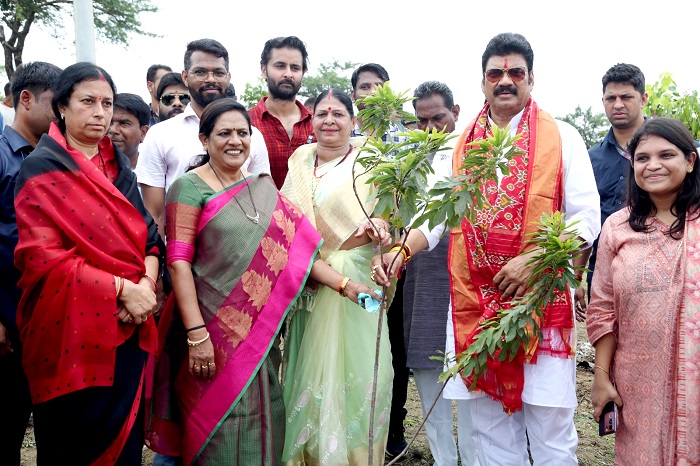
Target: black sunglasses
(168, 99)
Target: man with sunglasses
(170, 146)
(172, 95)
(533, 397)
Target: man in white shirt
(170, 146)
(7, 108)
(488, 268)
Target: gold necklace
(253, 218)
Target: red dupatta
(76, 232)
(479, 251)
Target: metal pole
(84, 31)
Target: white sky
(574, 42)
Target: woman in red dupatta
(239, 255)
(644, 314)
(88, 251)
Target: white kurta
(551, 381)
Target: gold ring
(371, 276)
(210, 364)
(130, 318)
(197, 369)
(375, 267)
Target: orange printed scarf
(478, 251)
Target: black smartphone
(608, 419)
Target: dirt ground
(592, 449)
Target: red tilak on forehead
(505, 63)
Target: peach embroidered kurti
(646, 290)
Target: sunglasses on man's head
(496, 74)
(168, 99)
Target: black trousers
(15, 406)
(398, 362)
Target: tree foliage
(115, 20)
(334, 75)
(253, 93)
(666, 100)
(591, 126)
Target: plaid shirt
(279, 146)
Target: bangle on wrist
(120, 286)
(153, 282)
(405, 252)
(198, 342)
(196, 327)
(343, 284)
(598, 367)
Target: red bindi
(329, 109)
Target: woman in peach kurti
(644, 315)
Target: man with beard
(129, 124)
(172, 95)
(285, 123)
(527, 402)
(170, 146)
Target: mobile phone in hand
(608, 419)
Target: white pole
(84, 31)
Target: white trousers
(500, 440)
(439, 427)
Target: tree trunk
(14, 46)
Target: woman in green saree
(330, 347)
